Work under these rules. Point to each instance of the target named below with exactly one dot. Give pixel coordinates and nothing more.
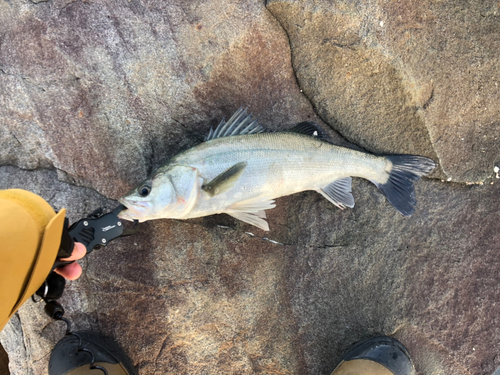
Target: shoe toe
(67, 359)
(384, 350)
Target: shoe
(95, 352)
(376, 356)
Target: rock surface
(95, 95)
(421, 71)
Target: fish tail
(406, 170)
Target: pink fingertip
(71, 272)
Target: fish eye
(144, 190)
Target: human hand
(73, 270)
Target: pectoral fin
(225, 180)
(252, 212)
(339, 193)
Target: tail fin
(406, 169)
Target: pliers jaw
(99, 229)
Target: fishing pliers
(94, 231)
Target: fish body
(241, 169)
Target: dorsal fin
(309, 128)
(240, 123)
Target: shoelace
(55, 310)
(80, 348)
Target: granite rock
(213, 295)
(382, 71)
(121, 86)
(96, 94)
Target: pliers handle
(94, 231)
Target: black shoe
(85, 353)
(376, 356)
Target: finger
(79, 251)
(71, 271)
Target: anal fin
(339, 193)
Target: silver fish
(240, 169)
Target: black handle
(93, 232)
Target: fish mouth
(135, 209)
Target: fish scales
(242, 171)
(279, 164)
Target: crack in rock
(293, 68)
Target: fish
(241, 168)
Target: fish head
(149, 199)
(169, 193)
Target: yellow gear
(30, 236)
